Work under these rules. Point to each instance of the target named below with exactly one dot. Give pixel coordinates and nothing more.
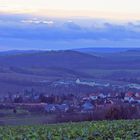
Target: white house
(129, 99)
(101, 95)
(137, 94)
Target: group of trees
(114, 112)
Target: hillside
(72, 60)
(38, 69)
(115, 130)
(63, 59)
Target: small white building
(129, 99)
(101, 95)
(137, 94)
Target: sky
(116, 9)
(69, 24)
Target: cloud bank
(27, 32)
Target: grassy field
(24, 117)
(102, 130)
(27, 119)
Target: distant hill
(105, 50)
(72, 60)
(20, 70)
(60, 59)
(120, 54)
(15, 52)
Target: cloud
(36, 21)
(36, 31)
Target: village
(105, 95)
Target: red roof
(129, 94)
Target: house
(108, 94)
(62, 107)
(49, 108)
(129, 97)
(56, 108)
(87, 106)
(101, 95)
(93, 96)
(135, 86)
(86, 98)
(129, 94)
(137, 94)
(107, 101)
(85, 83)
(137, 99)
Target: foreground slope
(103, 130)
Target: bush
(122, 112)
